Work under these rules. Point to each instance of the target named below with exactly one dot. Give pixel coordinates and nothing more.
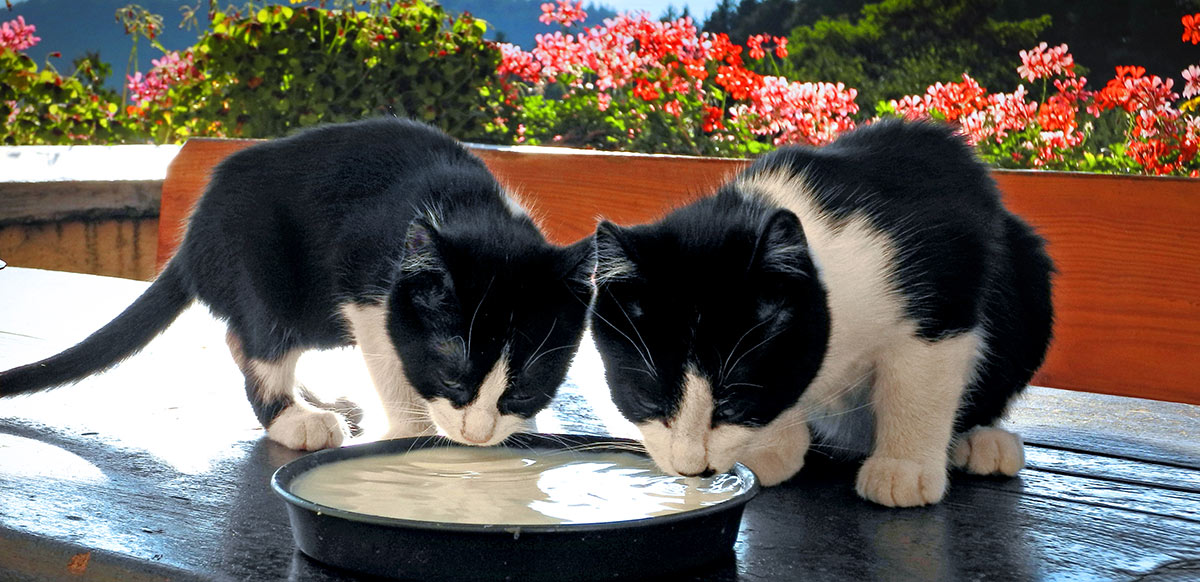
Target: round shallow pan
(423, 550)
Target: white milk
(509, 486)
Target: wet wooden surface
(157, 471)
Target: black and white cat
(873, 294)
(385, 233)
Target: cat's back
(339, 160)
(891, 170)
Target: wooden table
(157, 470)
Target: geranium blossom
(1191, 28)
(1043, 62)
(172, 69)
(17, 36)
(563, 12)
(1192, 77)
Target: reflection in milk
(507, 486)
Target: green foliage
(896, 45)
(274, 69)
(41, 107)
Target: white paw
(774, 465)
(987, 450)
(901, 482)
(307, 429)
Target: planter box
(1127, 248)
(90, 209)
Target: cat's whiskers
(811, 407)
(649, 367)
(633, 326)
(642, 370)
(539, 346)
(756, 346)
(471, 326)
(733, 350)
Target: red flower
(712, 119)
(645, 90)
(1191, 28)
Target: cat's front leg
(918, 385)
(776, 452)
(271, 389)
(406, 411)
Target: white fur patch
(480, 422)
(918, 387)
(299, 426)
(688, 444)
(407, 413)
(275, 379)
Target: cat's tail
(122, 337)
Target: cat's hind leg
(918, 386)
(271, 389)
(406, 411)
(987, 450)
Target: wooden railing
(1127, 248)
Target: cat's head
(486, 323)
(710, 323)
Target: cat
(387, 233)
(873, 295)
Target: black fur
(291, 229)
(696, 281)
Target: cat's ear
(421, 249)
(612, 257)
(578, 262)
(781, 246)
(424, 287)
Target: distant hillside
(74, 27)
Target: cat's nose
(707, 472)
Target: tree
(896, 47)
(775, 17)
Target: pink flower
(172, 69)
(17, 35)
(564, 13)
(1042, 62)
(1192, 77)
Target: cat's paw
(901, 482)
(774, 465)
(306, 429)
(987, 450)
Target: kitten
(385, 233)
(873, 294)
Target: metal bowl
(425, 550)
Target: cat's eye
(520, 397)
(451, 383)
(726, 413)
